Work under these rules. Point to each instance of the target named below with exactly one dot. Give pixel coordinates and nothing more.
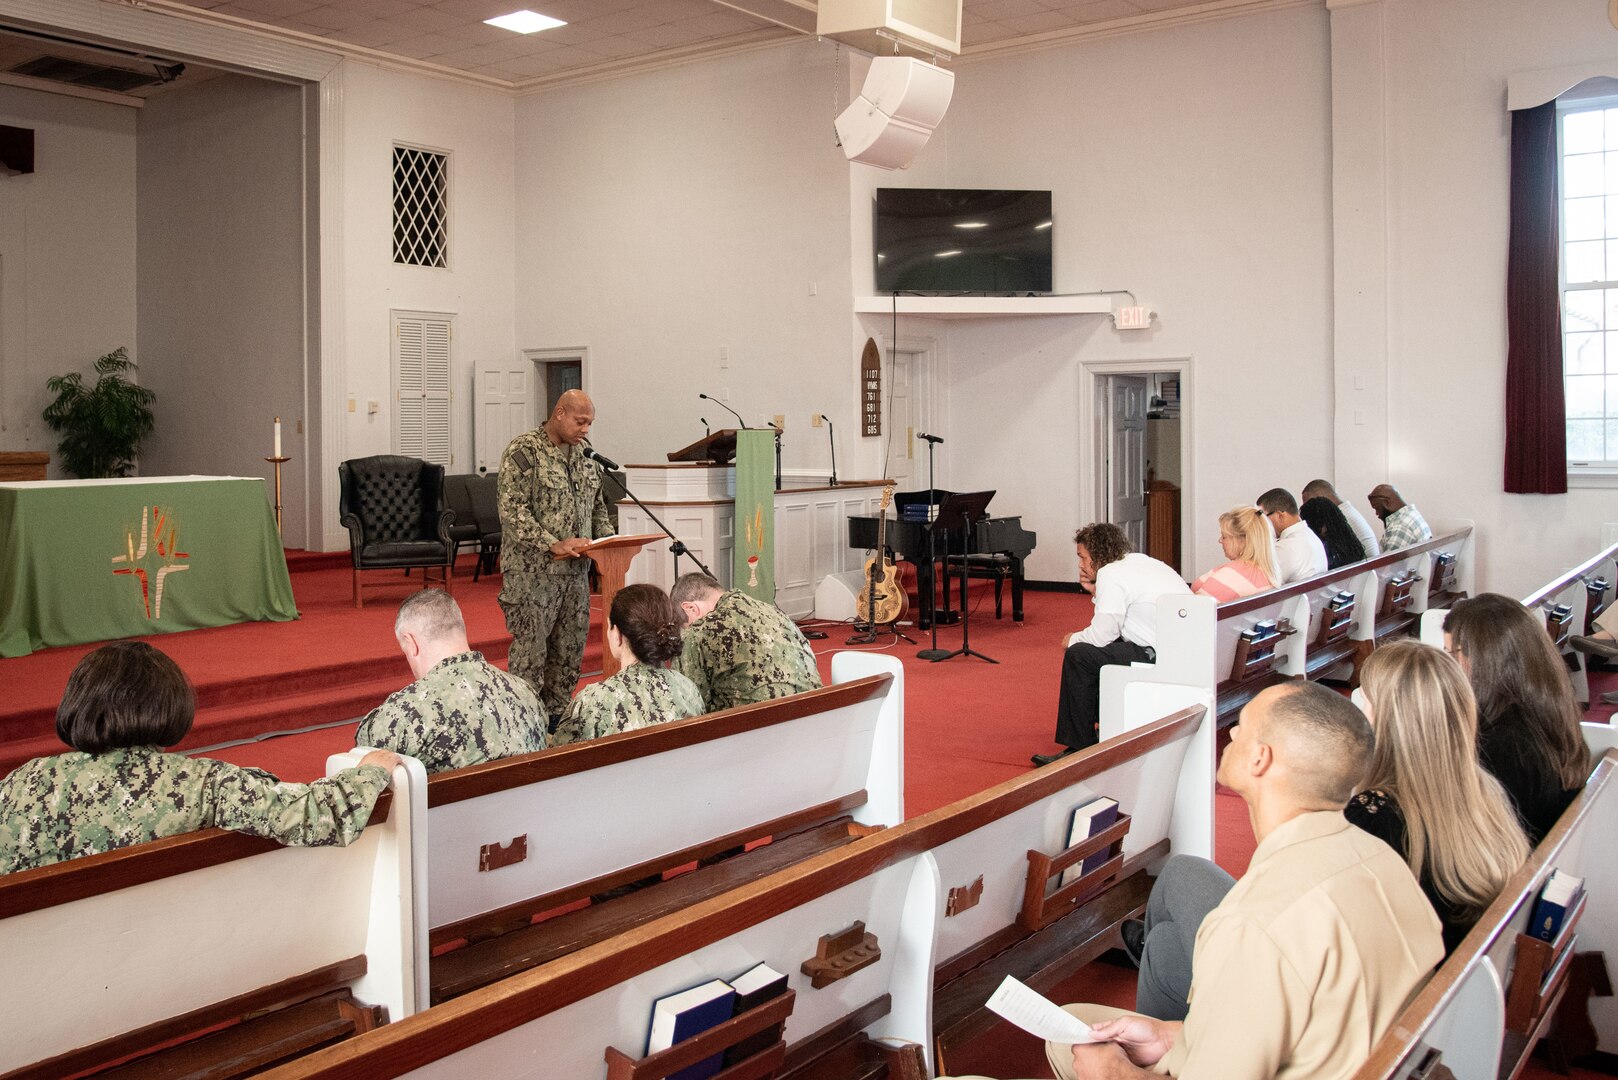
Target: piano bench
(988, 567)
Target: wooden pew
(1481, 1014)
(164, 947)
(942, 894)
(516, 838)
(1325, 625)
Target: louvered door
(422, 392)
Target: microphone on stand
(929, 438)
(727, 408)
(706, 430)
(599, 459)
(831, 436)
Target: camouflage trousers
(548, 617)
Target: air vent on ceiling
(78, 73)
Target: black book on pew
(757, 985)
(1091, 819)
(691, 1012)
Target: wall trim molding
(1133, 24)
(1529, 89)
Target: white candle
(277, 436)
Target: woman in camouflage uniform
(122, 702)
(643, 632)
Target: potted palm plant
(102, 425)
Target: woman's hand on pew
(385, 759)
(1143, 1039)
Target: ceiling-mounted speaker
(902, 101)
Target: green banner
(754, 568)
(95, 560)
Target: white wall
(221, 280)
(475, 127)
(67, 254)
(666, 216)
(1437, 70)
(1191, 166)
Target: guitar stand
(870, 633)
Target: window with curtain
(1588, 157)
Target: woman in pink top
(1249, 544)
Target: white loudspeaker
(902, 101)
(834, 598)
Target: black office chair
(458, 497)
(485, 495)
(393, 508)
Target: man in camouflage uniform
(461, 710)
(739, 650)
(551, 506)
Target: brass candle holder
(278, 462)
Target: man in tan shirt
(1306, 962)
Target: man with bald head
(551, 506)
(1302, 965)
(1402, 523)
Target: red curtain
(1536, 405)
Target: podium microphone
(706, 430)
(727, 408)
(604, 462)
(929, 438)
(831, 436)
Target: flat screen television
(944, 240)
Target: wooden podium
(612, 556)
(719, 448)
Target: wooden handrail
(1233, 608)
(1570, 577)
(1413, 1023)
(482, 1014)
(493, 776)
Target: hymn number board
(871, 390)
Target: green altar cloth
(95, 560)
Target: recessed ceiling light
(1042, 225)
(971, 224)
(947, 254)
(525, 22)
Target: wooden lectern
(719, 448)
(612, 556)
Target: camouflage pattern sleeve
(518, 525)
(693, 664)
(638, 696)
(332, 810)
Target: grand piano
(997, 537)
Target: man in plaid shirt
(1402, 524)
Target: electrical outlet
(724, 357)
(816, 421)
(781, 421)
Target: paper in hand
(1037, 1015)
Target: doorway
(1141, 453)
(517, 395)
(908, 385)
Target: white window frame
(1580, 473)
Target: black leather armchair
(393, 509)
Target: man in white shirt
(1123, 630)
(1356, 520)
(1299, 553)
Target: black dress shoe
(1134, 935)
(1046, 759)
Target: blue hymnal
(1092, 819)
(1561, 892)
(691, 1012)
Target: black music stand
(961, 512)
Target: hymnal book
(1091, 819)
(691, 1012)
(757, 985)
(1556, 899)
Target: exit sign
(1134, 317)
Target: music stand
(960, 512)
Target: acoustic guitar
(881, 601)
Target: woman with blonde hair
(1248, 542)
(1426, 794)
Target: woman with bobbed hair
(1528, 718)
(643, 633)
(1248, 542)
(1325, 518)
(116, 787)
(1426, 795)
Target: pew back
(558, 1019)
(586, 810)
(100, 947)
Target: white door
(421, 363)
(908, 410)
(505, 401)
(1126, 456)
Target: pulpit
(718, 448)
(612, 556)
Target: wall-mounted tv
(944, 240)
